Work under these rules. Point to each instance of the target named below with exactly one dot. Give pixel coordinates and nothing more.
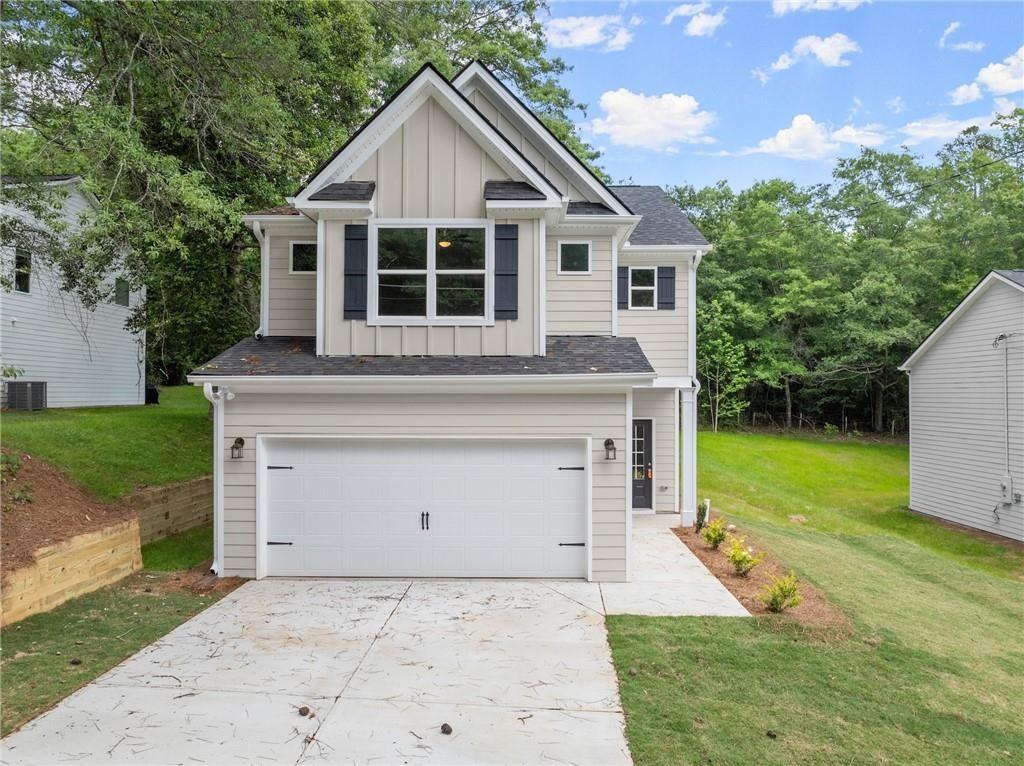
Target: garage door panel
(497, 509)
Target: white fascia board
(672, 381)
(689, 251)
(383, 125)
(531, 123)
(338, 211)
(266, 220)
(622, 225)
(406, 384)
(980, 289)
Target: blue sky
(741, 91)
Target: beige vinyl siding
(292, 299)
(599, 416)
(659, 404)
(530, 150)
(506, 337)
(956, 417)
(580, 304)
(662, 334)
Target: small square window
(303, 258)
(121, 292)
(22, 271)
(573, 257)
(641, 288)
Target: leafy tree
(721, 362)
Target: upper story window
(432, 273)
(573, 257)
(121, 292)
(302, 258)
(22, 271)
(641, 288)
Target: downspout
(257, 231)
(216, 395)
(1007, 488)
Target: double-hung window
(22, 271)
(641, 287)
(432, 273)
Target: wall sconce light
(609, 449)
(236, 448)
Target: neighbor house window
(433, 273)
(573, 257)
(22, 271)
(121, 292)
(302, 259)
(641, 288)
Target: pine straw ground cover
(928, 670)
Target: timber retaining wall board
(71, 568)
(174, 508)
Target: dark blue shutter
(355, 271)
(506, 271)
(666, 287)
(623, 287)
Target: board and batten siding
(957, 455)
(292, 297)
(599, 416)
(506, 337)
(662, 334)
(659, 405)
(580, 304)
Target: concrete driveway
(520, 670)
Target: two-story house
(475, 359)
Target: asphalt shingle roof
(589, 208)
(350, 191)
(278, 210)
(663, 222)
(566, 355)
(511, 190)
(1014, 275)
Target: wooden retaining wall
(70, 568)
(173, 508)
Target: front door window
(642, 465)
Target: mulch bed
(814, 612)
(59, 509)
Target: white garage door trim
(262, 494)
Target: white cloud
(658, 122)
(872, 134)
(939, 127)
(965, 94)
(685, 10)
(808, 139)
(830, 51)
(607, 33)
(971, 46)
(701, 23)
(855, 108)
(761, 75)
(1005, 77)
(896, 104)
(1005, 105)
(782, 7)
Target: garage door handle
(280, 467)
(274, 542)
(572, 468)
(422, 514)
(572, 545)
(428, 521)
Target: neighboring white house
(474, 358)
(85, 357)
(967, 411)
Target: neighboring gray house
(85, 357)
(967, 411)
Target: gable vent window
(22, 271)
(433, 274)
(121, 292)
(302, 259)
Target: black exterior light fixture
(609, 449)
(236, 448)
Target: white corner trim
(615, 286)
(590, 257)
(542, 285)
(676, 441)
(689, 458)
(691, 319)
(321, 314)
(263, 238)
(627, 458)
(217, 396)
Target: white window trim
(291, 256)
(590, 257)
(31, 263)
(431, 319)
(653, 289)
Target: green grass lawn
(931, 674)
(45, 657)
(114, 450)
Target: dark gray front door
(641, 456)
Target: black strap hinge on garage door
(274, 542)
(572, 545)
(280, 467)
(572, 468)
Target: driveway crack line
(570, 598)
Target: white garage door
(425, 508)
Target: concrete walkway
(520, 670)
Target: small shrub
(714, 533)
(831, 429)
(742, 557)
(21, 495)
(781, 593)
(702, 515)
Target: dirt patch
(42, 506)
(199, 579)
(815, 612)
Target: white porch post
(688, 397)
